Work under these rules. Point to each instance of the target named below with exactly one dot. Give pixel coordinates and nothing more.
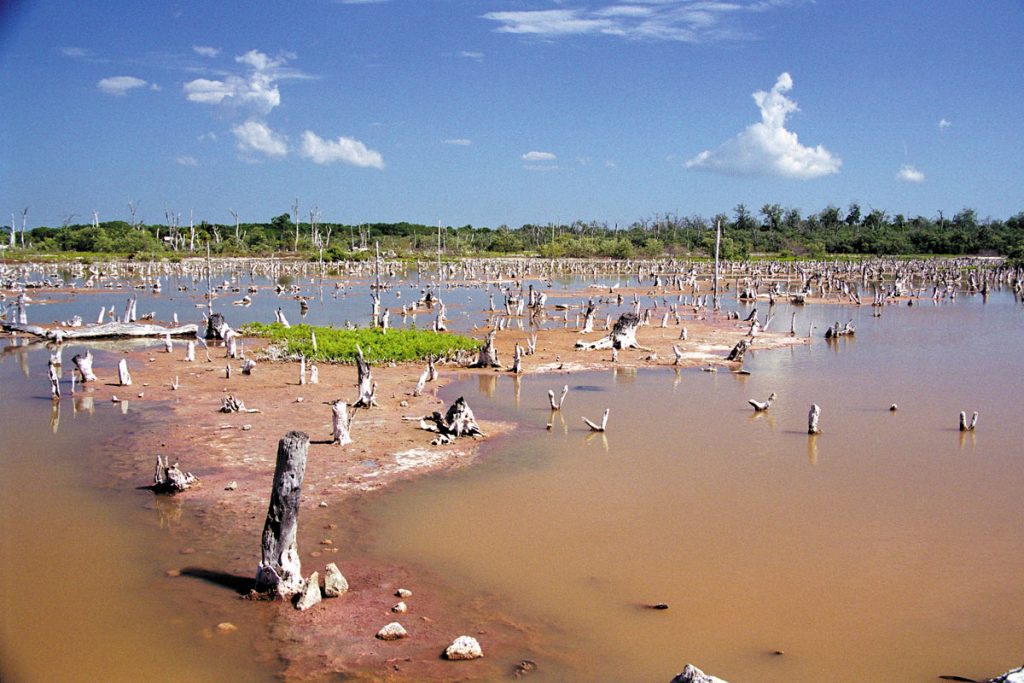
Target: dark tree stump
(738, 351)
(280, 570)
(214, 324)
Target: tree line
(773, 230)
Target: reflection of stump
(280, 569)
(622, 336)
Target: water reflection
(54, 415)
(488, 383)
(599, 437)
(812, 449)
(83, 404)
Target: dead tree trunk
(123, 377)
(84, 365)
(214, 324)
(488, 357)
(812, 419)
(366, 386)
(54, 376)
(622, 336)
(588, 319)
(738, 351)
(457, 421)
(341, 422)
(169, 478)
(280, 570)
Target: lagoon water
(889, 548)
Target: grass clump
(339, 345)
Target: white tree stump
(280, 570)
(488, 356)
(557, 405)
(622, 336)
(123, 376)
(365, 386)
(54, 376)
(84, 365)
(190, 352)
(341, 423)
(966, 426)
(812, 419)
(599, 427)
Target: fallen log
(280, 570)
(103, 331)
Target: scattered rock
(404, 404)
(173, 573)
(464, 647)
(400, 608)
(691, 674)
(334, 581)
(393, 631)
(403, 593)
(232, 486)
(246, 427)
(527, 666)
(299, 399)
(327, 541)
(893, 407)
(226, 627)
(323, 503)
(310, 594)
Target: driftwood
(761, 407)
(488, 356)
(103, 331)
(280, 570)
(965, 426)
(839, 330)
(169, 478)
(84, 365)
(457, 421)
(622, 336)
(230, 404)
(557, 405)
(738, 351)
(599, 427)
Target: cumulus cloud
(909, 174)
(345, 150)
(675, 20)
(255, 89)
(461, 142)
(538, 156)
(120, 85)
(944, 124)
(206, 51)
(254, 136)
(186, 160)
(767, 148)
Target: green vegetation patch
(339, 345)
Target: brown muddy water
(888, 548)
(83, 558)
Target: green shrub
(339, 345)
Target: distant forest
(772, 231)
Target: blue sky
(508, 111)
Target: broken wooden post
(968, 426)
(341, 422)
(84, 365)
(169, 478)
(812, 419)
(280, 570)
(123, 377)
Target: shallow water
(890, 547)
(83, 559)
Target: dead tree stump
(812, 419)
(124, 378)
(169, 478)
(488, 356)
(280, 570)
(214, 324)
(341, 422)
(366, 386)
(622, 336)
(738, 351)
(84, 365)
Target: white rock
(334, 582)
(392, 631)
(464, 647)
(310, 593)
(400, 608)
(1013, 676)
(403, 593)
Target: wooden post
(190, 352)
(812, 419)
(123, 377)
(365, 384)
(714, 280)
(280, 570)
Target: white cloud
(120, 85)
(186, 160)
(75, 52)
(206, 51)
(345, 150)
(254, 136)
(538, 156)
(469, 54)
(690, 21)
(909, 174)
(944, 124)
(462, 142)
(766, 148)
(256, 89)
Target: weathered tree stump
(280, 570)
(488, 356)
(169, 478)
(366, 387)
(622, 336)
(966, 426)
(124, 378)
(557, 405)
(812, 419)
(341, 422)
(457, 421)
(214, 325)
(54, 376)
(738, 351)
(599, 427)
(84, 365)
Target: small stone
(893, 407)
(334, 581)
(141, 394)
(691, 674)
(246, 427)
(393, 631)
(173, 573)
(400, 608)
(323, 503)
(404, 404)
(403, 593)
(310, 593)
(232, 485)
(327, 541)
(464, 647)
(660, 605)
(226, 627)
(299, 399)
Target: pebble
(404, 404)
(226, 627)
(403, 593)
(464, 647)
(323, 503)
(400, 608)
(231, 486)
(393, 631)
(299, 399)
(246, 427)
(327, 541)
(173, 573)
(893, 407)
